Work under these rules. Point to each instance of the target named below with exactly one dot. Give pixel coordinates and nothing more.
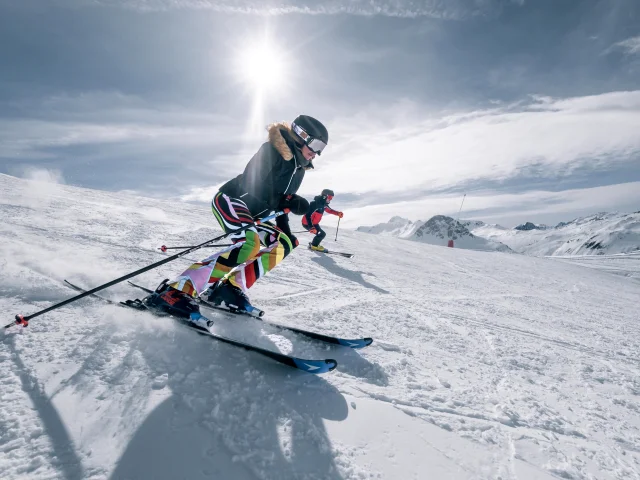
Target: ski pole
(337, 228)
(24, 319)
(458, 220)
(164, 248)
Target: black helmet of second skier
(311, 132)
(327, 194)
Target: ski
(95, 295)
(310, 366)
(329, 252)
(351, 343)
(348, 255)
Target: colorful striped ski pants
(255, 252)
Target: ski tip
(356, 343)
(316, 366)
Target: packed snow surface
(485, 365)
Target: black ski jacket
(276, 170)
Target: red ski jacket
(316, 209)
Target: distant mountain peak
(443, 227)
(396, 227)
(438, 230)
(398, 219)
(530, 226)
(597, 234)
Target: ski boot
(224, 294)
(318, 248)
(169, 301)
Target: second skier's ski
(329, 252)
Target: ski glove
(340, 214)
(313, 230)
(297, 204)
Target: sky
(530, 109)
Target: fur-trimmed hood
(270, 175)
(277, 133)
(277, 139)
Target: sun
(265, 70)
(261, 66)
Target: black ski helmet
(327, 193)
(309, 129)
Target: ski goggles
(315, 145)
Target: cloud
(33, 138)
(451, 9)
(120, 142)
(508, 209)
(103, 119)
(382, 152)
(631, 46)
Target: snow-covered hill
(396, 227)
(438, 230)
(484, 365)
(600, 234)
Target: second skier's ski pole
(24, 319)
(337, 228)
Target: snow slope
(484, 365)
(626, 265)
(599, 234)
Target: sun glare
(262, 67)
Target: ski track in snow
(484, 365)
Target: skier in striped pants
(269, 183)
